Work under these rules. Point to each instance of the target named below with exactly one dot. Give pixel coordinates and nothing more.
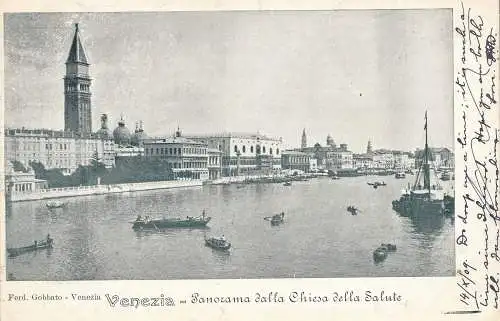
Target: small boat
(377, 184)
(335, 177)
(388, 247)
(189, 222)
(288, 184)
(400, 175)
(55, 204)
(379, 254)
(276, 219)
(353, 210)
(218, 243)
(38, 245)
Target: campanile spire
(77, 102)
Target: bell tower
(77, 102)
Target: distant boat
(55, 204)
(377, 184)
(276, 219)
(38, 245)
(335, 177)
(381, 252)
(218, 243)
(188, 222)
(288, 184)
(422, 199)
(353, 210)
(400, 175)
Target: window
(251, 149)
(235, 148)
(270, 151)
(277, 151)
(244, 149)
(264, 149)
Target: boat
(288, 184)
(276, 219)
(382, 251)
(400, 175)
(38, 245)
(423, 198)
(218, 243)
(335, 177)
(188, 222)
(353, 210)
(379, 254)
(55, 204)
(377, 184)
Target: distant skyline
(356, 75)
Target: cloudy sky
(356, 75)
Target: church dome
(330, 141)
(139, 135)
(121, 134)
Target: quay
(75, 191)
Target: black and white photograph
(229, 145)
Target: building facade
(56, 149)
(295, 160)
(187, 158)
(244, 154)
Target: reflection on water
(318, 238)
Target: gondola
(38, 245)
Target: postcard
(267, 159)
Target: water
(94, 239)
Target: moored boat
(423, 198)
(400, 175)
(38, 245)
(287, 184)
(218, 243)
(188, 222)
(377, 184)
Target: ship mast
(427, 176)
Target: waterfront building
(440, 156)
(187, 158)
(138, 136)
(77, 95)
(244, 153)
(362, 161)
(295, 160)
(331, 157)
(383, 159)
(18, 182)
(313, 164)
(214, 163)
(56, 149)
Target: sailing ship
(188, 222)
(422, 199)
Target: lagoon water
(319, 238)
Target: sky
(356, 75)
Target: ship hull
(171, 223)
(418, 207)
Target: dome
(103, 133)
(121, 134)
(138, 137)
(330, 141)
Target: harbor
(94, 239)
